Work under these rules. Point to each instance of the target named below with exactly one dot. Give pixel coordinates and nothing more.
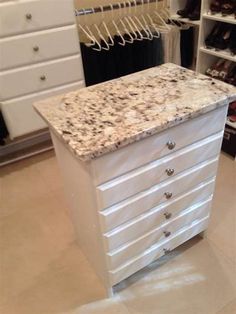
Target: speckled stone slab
(102, 118)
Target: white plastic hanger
(131, 40)
(140, 23)
(128, 21)
(153, 25)
(150, 37)
(107, 47)
(122, 43)
(139, 35)
(89, 34)
(111, 42)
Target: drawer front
(157, 251)
(40, 77)
(146, 200)
(20, 116)
(154, 147)
(144, 223)
(143, 178)
(158, 235)
(38, 47)
(27, 16)
(111, 219)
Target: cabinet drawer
(143, 178)
(114, 217)
(31, 15)
(146, 200)
(40, 77)
(156, 251)
(20, 116)
(144, 224)
(158, 235)
(154, 147)
(38, 47)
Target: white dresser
(39, 57)
(139, 163)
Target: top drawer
(27, 16)
(154, 147)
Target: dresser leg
(203, 234)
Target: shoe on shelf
(232, 44)
(215, 69)
(195, 15)
(217, 30)
(225, 70)
(189, 8)
(222, 41)
(215, 6)
(228, 7)
(231, 77)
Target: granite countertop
(102, 118)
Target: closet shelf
(218, 17)
(225, 54)
(176, 17)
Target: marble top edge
(99, 119)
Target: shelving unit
(206, 57)
(174, 6)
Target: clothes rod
(114, 6)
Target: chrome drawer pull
(170, 171)
(28, 16)
(167, 233)
(43, 78)
(166, 251)
(36, 48)
(171, 145)
(168, 195)
(168, 215)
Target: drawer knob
(170, 171)
(168, 195)
(43, 78)
(168, 215)
(28, 16)
(36, 48)
(171, 145)
(166, 251)
(167, 233)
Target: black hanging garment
(187, 47)
(3, 130)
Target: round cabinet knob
(168, 215)
(168, 195)
(170, 171)
(36, 48)
(167, 233)
(43, 78)
(28, 16)
(171, 145)
(166, 251)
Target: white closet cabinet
(39, 57)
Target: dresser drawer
(158, 235)
(40, 77)
(144, 223)
(31, 15)
(145, 177)
(146, 200)
(20, 116)
(154, 147)
(156, 251)
(38, 47)
(112, 219)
